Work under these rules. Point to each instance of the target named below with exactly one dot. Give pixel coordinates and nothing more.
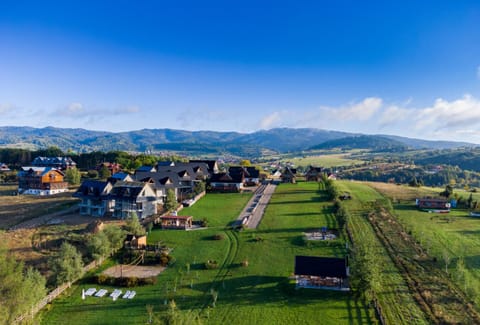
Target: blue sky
(408, 68)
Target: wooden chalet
(289, 175)
(112, 167)
(176, 222)
(135, 242)
(41, 181)
(314, 174)
(433, 205)
(329, 273)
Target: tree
(104, 172)
(199, 188)
(72, 176)
(20, 289)
(67, 265)
(116, 237)
(413, 182)
(447, 192)
(99, 245)
(134, 226)
(171, 200)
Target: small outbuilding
(329, 273)
(135, 242)
(176, 222)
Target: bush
(211, 265)
(147, 281)
(218, 237)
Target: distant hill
(197, 142)
(372, 142)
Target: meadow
(324, 160)
(252, 284)
(453, 237)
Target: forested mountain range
(278, 140)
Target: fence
(55, 293)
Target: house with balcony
(41, 181)
(133, 197)
(94, 198)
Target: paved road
(255, 208)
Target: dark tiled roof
(127, 190)
(320, 266)
(226, 178)
(92, 188)
(145, 169)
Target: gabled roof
(53, 161)
(160, 180)
(122, 176)
(165, 163)
(212, 164)
(321, 266)
(127, 190)
(145, 169)
(4, 167)
(314, 169)
(92, 188)
(226, 178)
(254, 173)
(38, 171)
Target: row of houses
(144, 192)
(313, 174)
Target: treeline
(424, 175)
(16, 158)
(20, 288)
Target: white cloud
(362, 111)
(448, 120)
(450, 115)
(77, 110)
(6, 108)
(270, 121)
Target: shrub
(211, 265)
(147, 281)
(218, 237)
(102, 279)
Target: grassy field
(328, 160)
(393, 294)
(453, 236)
(17, 208)
(260, 293)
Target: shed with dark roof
(321, 272)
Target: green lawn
(258, 294)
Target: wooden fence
(54, 294)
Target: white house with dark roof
(94, 198)
(133, 197)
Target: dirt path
(139, 271)
(52, 218)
